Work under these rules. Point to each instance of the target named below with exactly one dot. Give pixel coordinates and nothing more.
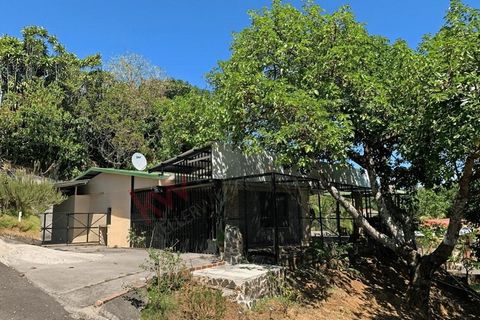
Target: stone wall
(233, 253)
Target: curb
(115, 295)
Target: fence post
(245, 216)
(68, 226)
(338, 222)
(45, 225)
(275, 224)
(320, 214)
(88, 224)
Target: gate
(182, 217)
(74, 228)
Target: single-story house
(97, 207)
(218, 186)
(188, 201)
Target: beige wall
(102, 192)
(113, 191)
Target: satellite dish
(139, 161)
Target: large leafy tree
(126, 112)
(40, 83)
(60, 114)
(317, 87)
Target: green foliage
(168, 268)
(169, 276)
(23, 192)
(61, 114)
(190, 121)
(137, 240)
(282, 86)
(434, 203)
(432, 236)
(333, 255)
(30, 223)
(160, 305)
(447, 131)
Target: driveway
(78, 276)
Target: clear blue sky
(187, 37)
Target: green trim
(92, 172)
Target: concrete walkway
(78, 276)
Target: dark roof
(187, 162)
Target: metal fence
(74, 228)
(182, 217)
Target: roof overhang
(190, 161)
(71, 184)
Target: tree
(40, 85)
(125, 114)
(433, 203)
(189, 121)
(134, 68)
(317, 87)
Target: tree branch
(444, 250)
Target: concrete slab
(78, 276)
(244, 283)
(239, 273)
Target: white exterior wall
(229, 163)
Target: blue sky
(188, 37)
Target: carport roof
(92, 172)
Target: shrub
(23, 192)
(169, 275)
(169, 269)
(160, 305)
(202, 303)
(137, 240)
(29, 223)
(7, 221)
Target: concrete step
(244, 283)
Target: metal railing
(74, 228)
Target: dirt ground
(367, 290)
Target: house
(205, 200)
(97, 207)
(218, 188)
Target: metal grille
(182, 217)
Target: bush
(8, 222)
(29, 223)
(202, 303)
(170, 275)
(168, 268)
(23, 192)
(160, 305)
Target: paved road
(21, 300)
(78, 276)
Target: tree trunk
(418, 294)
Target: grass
(29, 224)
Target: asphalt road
(21, 300)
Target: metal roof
(92, 172)
(72, 183)
(187, 162)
